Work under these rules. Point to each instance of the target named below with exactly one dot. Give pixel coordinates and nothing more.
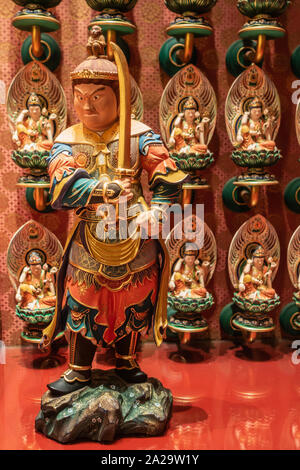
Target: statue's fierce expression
(95, 105)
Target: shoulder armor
(137, 128)
(71, 135)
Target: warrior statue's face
(189, 115)
(258, 262)
(256, 113)
(35, 112)
(95, 105)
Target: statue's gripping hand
(111, 192)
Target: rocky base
(107, 408)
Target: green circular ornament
(51, 55)
(226, 317)
(236, 56)
(26, 19)
(232, 196)
(31, 201)
(295, 62)
(287, 317)
(169, 56)
(292, 195)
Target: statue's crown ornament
(256, 103)
(96, 66)
(191, 253)
(190, 104)
(34, 100)
(190, 249)
(34, 258)
(259, 252)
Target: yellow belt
(112, 254)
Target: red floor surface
(225, 397)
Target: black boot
(79, 373)
(70, 381)
(126, 366)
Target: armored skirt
(105, 303)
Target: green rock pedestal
(106, 409)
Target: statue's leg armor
(78, 375)
(126, 366)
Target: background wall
(151, 18)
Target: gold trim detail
(126, 358)
(74, 367)
(93, 75)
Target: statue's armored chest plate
(101, 158)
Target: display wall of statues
(109, 290)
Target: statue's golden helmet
(95, 67)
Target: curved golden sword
(124, 165)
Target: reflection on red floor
(225, 397)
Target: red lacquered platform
(225, 397)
